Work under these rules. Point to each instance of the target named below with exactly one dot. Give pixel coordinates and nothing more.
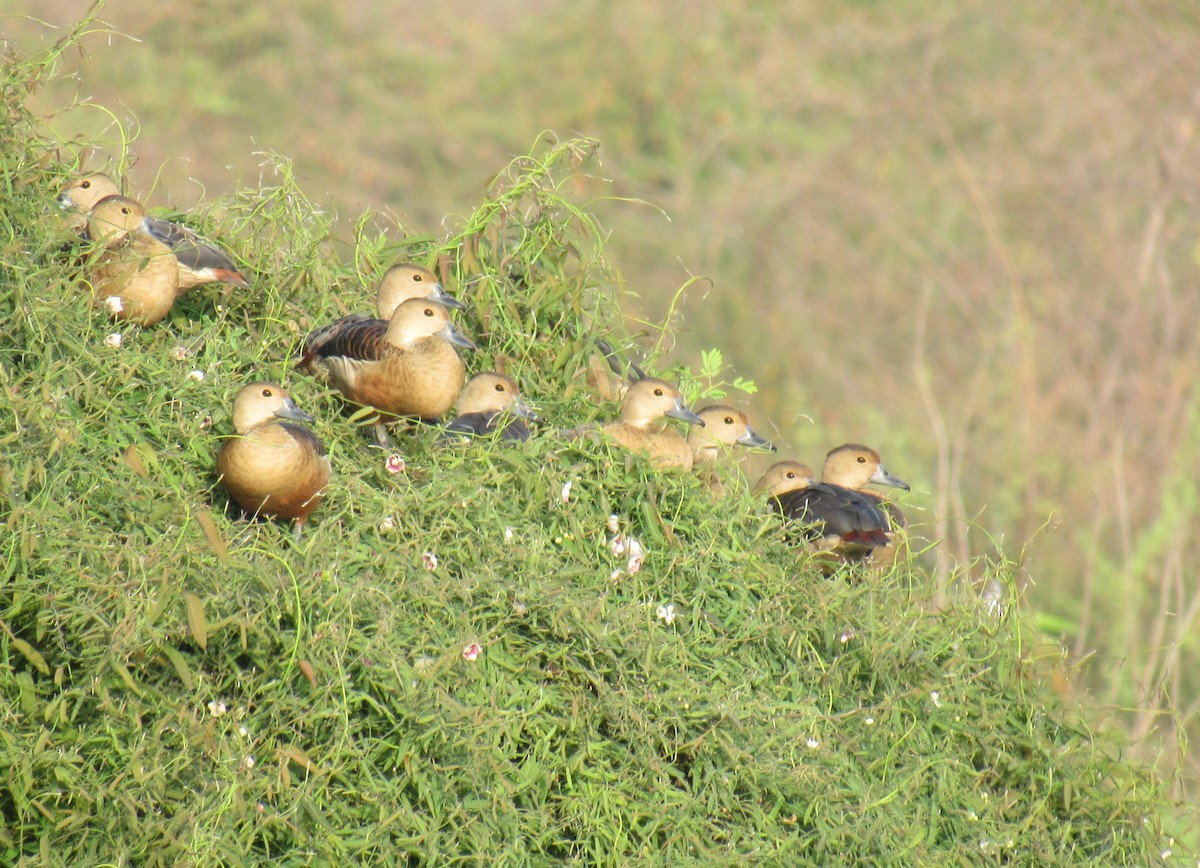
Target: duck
(838, 519)
(724, 428)
(132, 271)
(199, 261)
(855, 466)
(406, 366)
(400, 283)
(489, 402)
(641, 426)
(273, 465)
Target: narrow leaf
(196, 621)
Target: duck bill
(520, 408)
(680, 411)
(882, 477)
(445, 299)
(456, 337)
(756, 441)
(289, 410)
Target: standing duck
(407, 366)
(273, 466)
(490, 401)
(642, 427)
(198, 261)
(134, 273)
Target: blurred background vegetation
(965, 234)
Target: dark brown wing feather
(194, 253)
(831, 510)
(354, 337)
(305, 437)
(483, 424)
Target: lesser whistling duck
(491, 401)
(724, 427)
(134, 272)
(836, 518)
(407, 366)
(273, 466)
(641, 427)
(856, 466)
(400, 283)
(199, 261)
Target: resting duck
(134, 273)
(836, 518)
(199, 261)
(273, 466)
(641, 427)
(407, 366)
(856, 466)
(490, 401)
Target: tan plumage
(642, 425)
(406, 367)
(488, 401)
(134, 273)
(399, 284)
(272, 466)
(855, 466)
(198, 261)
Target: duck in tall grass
(273, 465)
(724, 428)
(491, 402)
(198, 261)
(855, 466)
(642, 425)
(132, 272)
(400, 283)
(834, 518)
(406, 366)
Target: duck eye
(428, 311)
(417, 278)
(862, 460)
(499, 387)
(791, 475)
(267, 393)
(728, 420)
(85, 184)
(658, 392)
(125, 209)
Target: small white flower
(614, 523)
(667, 613)
(813, 743)
(249, 762)
(508, 534)
(216, 708)
(870, 721)
(243, 732)
(388, 524)
(196, 375)
(615, 574)
(114, 304)
(936, 697)
(114, 340)
(636, 555)
(565, 496)
(430, 560)
(846, 636)
(616, 545)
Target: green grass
(180, 686)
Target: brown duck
(835, 518)
(273, 466)
(199, 261)
(489, 402)
(642, 426)
(407, 366)
(400, 283)
(133, 272)
(855, 466)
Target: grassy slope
(781, 715)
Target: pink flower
(394, 464)
(430, 560)
(472, 651)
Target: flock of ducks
(405, 362)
